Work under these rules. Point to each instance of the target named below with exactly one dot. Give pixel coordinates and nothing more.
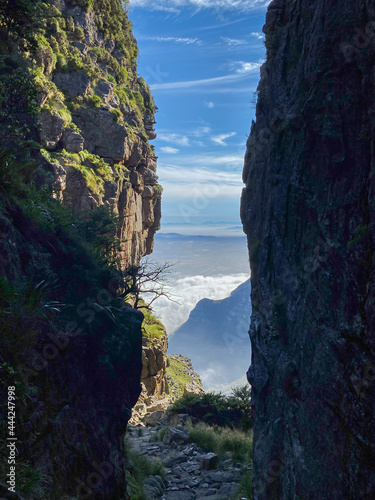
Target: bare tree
(149, 278)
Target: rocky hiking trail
(191, 472)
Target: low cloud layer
(190, 290)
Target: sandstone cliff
(95, 118)
(164, 378)
(153, 400)
(308, 211)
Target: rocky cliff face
(72, 351)
(96, 119)
(164, 378)
(308, 211)
(154, 395)
(74, 116)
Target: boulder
(104, 90)
(153, 418)
(179, 420)
(51, 129)
(153, 487)
(82, 47)
(74, 84)
(179, 495)
(209, 461)
(175, 435)
(72, 141)
(103, 135)
(193, 388)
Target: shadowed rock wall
(308, 212)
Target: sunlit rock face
(105, 117)
(308, 211)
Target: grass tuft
(142, 468)
(244, 489)
(223, 439)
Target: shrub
(13, 173)
(223, 439)
(118, 116)
(79, 34)
(152, 327)
(217, 409)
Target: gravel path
(192, 474)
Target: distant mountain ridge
(216, 339)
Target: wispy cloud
(233, 41)
(176, 5)
(179, 139)
(220, 139)
(241, 70)
(205, 163)
(198, 175)
(169, 150)
(209, 104)
(199, 131)
(173, 39)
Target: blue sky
(201, 59)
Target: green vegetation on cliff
(180, 373)
(152, 327)
(75, 159)
(46, 318)
(57, 63)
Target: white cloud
(220, 139)
(174, 39)
(241, 70)
(200, 175)
(200, 189)
(191, 289)
(169, 150)
(233, 41)
(199, 131)
(204, 167)
(259, 36)
(203, 162)
(177, 5)
(178, 139)
(209, 104)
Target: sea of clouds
(191, 289)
